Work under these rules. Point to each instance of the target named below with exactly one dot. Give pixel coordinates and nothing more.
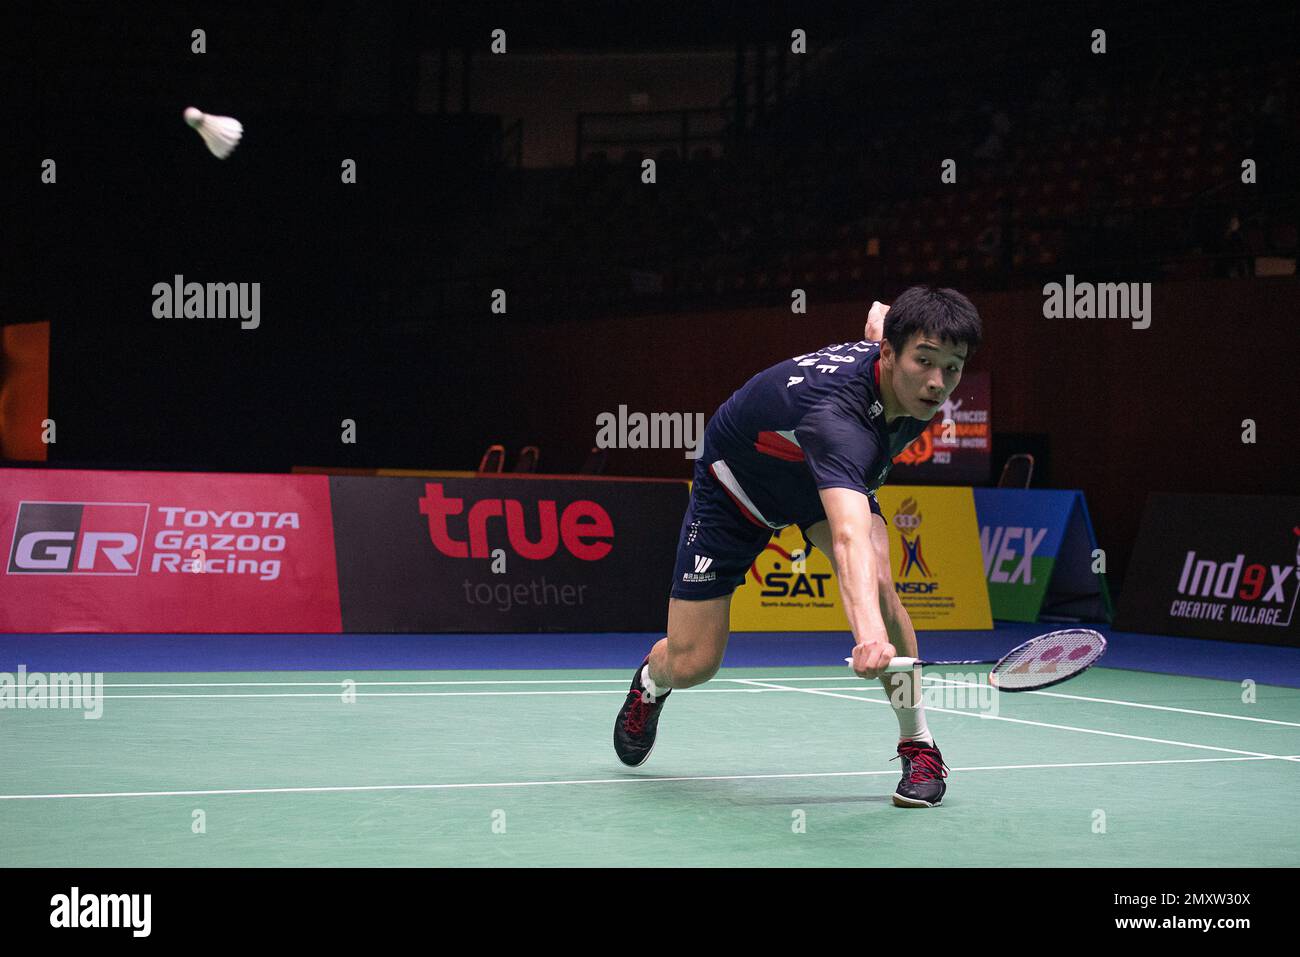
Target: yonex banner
(505, 555)
(1216, 566)
(1039, 555)
(934, 556)
(166, 552)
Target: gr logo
(78, 538)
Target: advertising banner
(1216, 566)
(956, 447)
(787, 590)
(934, 557)
(505, 555)
(934, 544)
(1039, 554)
(166, 552)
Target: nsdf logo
(907, 520)
(78, 538)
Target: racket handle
(896, 664)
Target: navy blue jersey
(812, 422)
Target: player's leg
(922, 783)
(689, 655)
(715, 549)
(697, 639)
(898, 623)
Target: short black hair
(940, 313)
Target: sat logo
(789, 578)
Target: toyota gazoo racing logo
(108, 538)
(908, 522)
(78, 538)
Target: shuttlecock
(221, 133)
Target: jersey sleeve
(839, 450)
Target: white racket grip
(897, 664)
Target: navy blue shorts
(718, 542)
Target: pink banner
(166, 552)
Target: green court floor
(760, 767)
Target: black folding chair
(1017, 471)
(527, 461)
(494, 459)
(596, 461)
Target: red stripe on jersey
(779, 447)
(739, 504)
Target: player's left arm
(875, 330)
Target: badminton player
(807, 442)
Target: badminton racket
(1039, 663)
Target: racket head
(1048, 660)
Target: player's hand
(875, 330)
(871, 659)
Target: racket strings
(1049, 659)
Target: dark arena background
(343, 476)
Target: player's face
(925, 373)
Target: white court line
(931, 679)
(1043, 724)
(1127, 704)
(502, 681)
(623, 780)
(452, 694)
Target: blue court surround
(1166, 654)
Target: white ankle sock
(648, 684)
(911, 724)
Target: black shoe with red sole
(923, 773)
(638, 720)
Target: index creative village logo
(179, 299)
(35, 691)
(1106, 300)
(1258, 593)
(75, 910)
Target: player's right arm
(849, 515)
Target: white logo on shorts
(701, 573)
